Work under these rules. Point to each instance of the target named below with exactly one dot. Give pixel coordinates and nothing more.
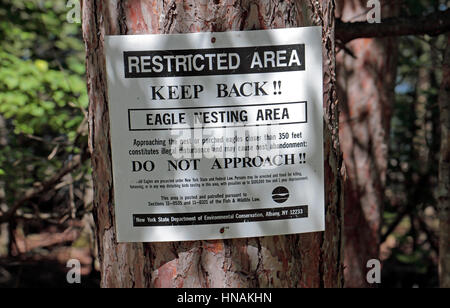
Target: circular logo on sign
(280, 194)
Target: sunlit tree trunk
(312, 260)
(366, 73)
(444, 173)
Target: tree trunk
(444, 173)
(366, 93)
(311, 260)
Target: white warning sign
(216, 135)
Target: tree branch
(76, 162)
(432, 24)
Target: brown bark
(431, 24)
(365, 91)
(444, 173)
(311, 260)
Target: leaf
(11, 82)
(41, 65)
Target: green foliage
(41, 81)
(39, 99)
(42, 92)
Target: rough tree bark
(312, 260)
(444, 172)
(365, 92)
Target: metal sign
(216, 135)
